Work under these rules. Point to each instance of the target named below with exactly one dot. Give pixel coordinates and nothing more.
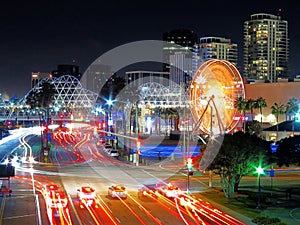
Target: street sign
(49, 137)
(110, 137)
(274, 147)
(7, 171)
(272, 173)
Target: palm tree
(241, 105)
(277, 109)
(292, 107)
(251, 106)
(42, 97)
(261, 103)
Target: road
(77, 162)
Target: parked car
(108, 147)
(113, 153)
(117, 191)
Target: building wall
(279, 92)
(180, 41)
(37, 77)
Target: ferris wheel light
(218, 85)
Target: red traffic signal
(45, 129)
(61, 116)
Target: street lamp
(259, 171)
(109, 102)
(138, 150)
(189, 166)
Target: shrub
(264, 220)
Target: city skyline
(38, 36)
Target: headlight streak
(219, 213)
(179, 212)
(21, 137)
(66, 216)
(91, 213)
(26, 146)
(105, 208)
(101, 206)
(175, 213)
(201, 211)
(212, 213)
(189, 213)
(131, 210)
(64, 136)
(206, 211)
(55, 205)
(146, 211)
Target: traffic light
(138, 146)
(61, 116)
(45, 129)
(189, 163)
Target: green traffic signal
(189, 164)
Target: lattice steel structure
(70, 99)
(158, 95)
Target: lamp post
(109, 102)
(189, 165)
(259, 171)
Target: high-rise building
(266, 47)
(217, 48)
(96, 76)
(181, 68)
(178, 47)
(62, 70)
(36, 77)
(137, 78)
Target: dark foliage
(288, 151)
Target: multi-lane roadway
(77, 161)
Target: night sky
(39, 35)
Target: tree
(292, 107)
(261, 103)
(277, 109)
(241, 105)
(288, 151)
(111, 89)
(42, 97)
(254, 127)
(250, 106)
(239, 154)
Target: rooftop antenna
(279, 12)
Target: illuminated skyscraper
(217, 48)
(177, 52)
(38, 76)
(266, 47)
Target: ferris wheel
(214, 88)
